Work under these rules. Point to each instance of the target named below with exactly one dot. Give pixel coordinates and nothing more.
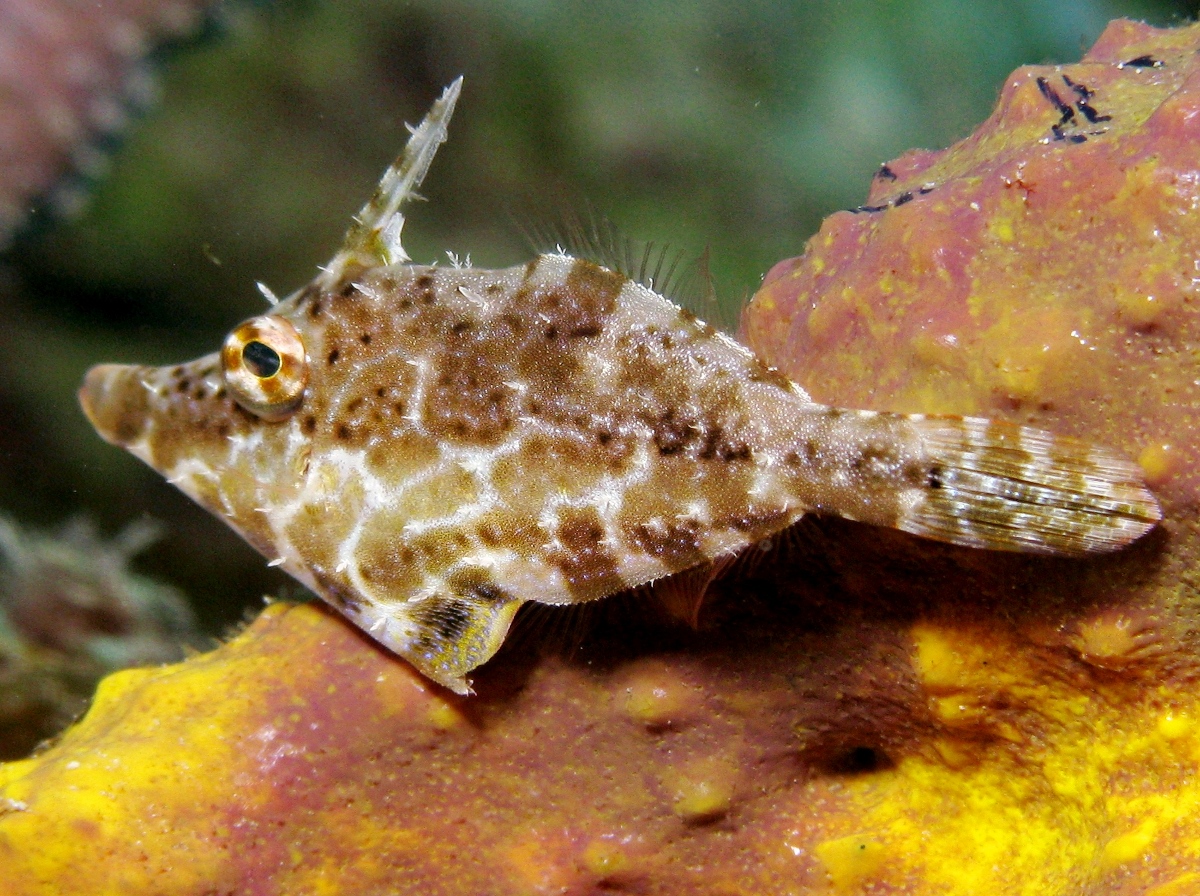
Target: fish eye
(261, 360)
(265, 367)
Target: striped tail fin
(1006, 487)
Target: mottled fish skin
(428, 448)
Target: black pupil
(262, 360)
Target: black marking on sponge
(1065, 112)
(1140, 62)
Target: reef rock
(69, 75)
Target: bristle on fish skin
(429, 448)
(1004, 487)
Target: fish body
(430, 447)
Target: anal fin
(683, 594)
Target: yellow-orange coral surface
(859, 712)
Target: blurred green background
(732, 126)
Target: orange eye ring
(265, 367)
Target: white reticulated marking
(244, 443)
(296, 440)
(142, 451)
(695, 510)
(477, 463)
(341, 467)
(389, 627)
(459, 518)
(190, 470)
(485, 558)
(487, 497)
(347, 559)
(799, 392)
(909, 500)
(609, 497)
(553, 267)
(417, 396)
(548, 520)
(765, 484)
(598, 367)
(736, 347)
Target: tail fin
(1005, 487)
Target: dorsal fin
(374, 235)
(667, 271)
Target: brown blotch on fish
(586, 562)
(579, 307)
(671, 436)
(425, 291)
(673, 542)
(498, 528)
(716, 446)
(468, 400)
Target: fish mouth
(116, 402)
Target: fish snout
(116, 402)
